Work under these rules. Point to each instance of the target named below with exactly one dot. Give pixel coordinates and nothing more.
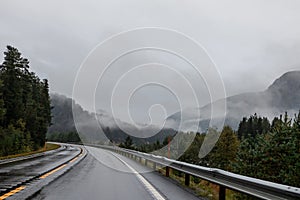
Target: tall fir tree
(25, 112)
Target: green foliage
(150, 147)
(274, 156)
(25, 112)
(191, 154)
(221, 156)
(71, 136)
(225, 150)
(15, 140)
(253, 126)
(128, 144)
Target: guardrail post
(187, 178)
(222, 192)
(154, 165)
(167, 171)
(256, 187)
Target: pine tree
(12, 70)
(25, 112)
(242, 130)
(274, 156)
(2, 109)
(253, 126)
(224, 152)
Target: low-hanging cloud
(252, 42)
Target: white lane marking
(155, 194)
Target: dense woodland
(259, 148)
(25, 111)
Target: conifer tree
(25, 112)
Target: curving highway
(106, 175)
(22, 177)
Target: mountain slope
(99, 127)
(283, 95)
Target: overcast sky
(251, 42)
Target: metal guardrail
(247, 185)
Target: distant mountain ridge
(285, 91)
(282, 95)
(97, 127)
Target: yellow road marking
(73, 159)
(53, 171)
(12, 192)
(42, 177)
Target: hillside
(97, 128)
(282, 95)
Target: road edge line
(149, 187)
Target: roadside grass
(47, 147)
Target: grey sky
(252, 42)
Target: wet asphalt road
(19, 172)
(103, 175)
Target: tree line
(259, 149)
(69, 136)
(25, 111)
